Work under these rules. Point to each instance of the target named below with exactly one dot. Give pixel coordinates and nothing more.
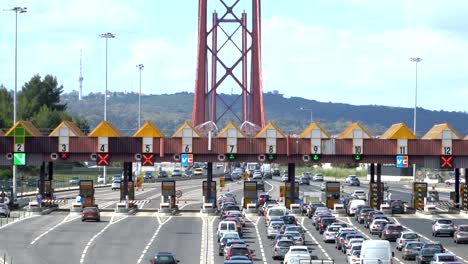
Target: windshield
(299, 251)
(445, 222)
(285, 243)
(464, 228)
(164, 260)
(447, 258)
(276, 212)
(410, 236)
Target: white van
(275, 211)
(376, 252)
(353, 205)
(224, 227)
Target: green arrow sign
(357, 157)
(19, 159)
(232, 156)
(315, 157)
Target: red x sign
(102, 159)
(64, 155)
(147, 160)
(446, 161)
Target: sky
(343, 51)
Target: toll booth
(168, 193)
(372, 195)
(87, 192)
(48, 192)
(250, 193)
(213, 192)
(287, 194)
(419, 195)
(130, 192)
(331, 196)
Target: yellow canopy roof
(312, 126)
(30, 129)
(441, 131)
(349, 131)
(73, 130)
(230, 125)
(148, 129)
(398, 131)
(105, 129)
(186, 126)
(270, 126)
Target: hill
(169, 111)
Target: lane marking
(18, 220)
(67, 219)
(203, 241)
(142, 255)
(111, 222)
(428, 239)
(272, 187)
(315, 240)
(211, 241)
(259, 238)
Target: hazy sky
(349, 51)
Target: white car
(257, 175)
(4, 210)
(359, 194)
(374, 226)
(317, 177)
(301, 252)
(452, 181)
(100, 179)
(176, 173)
(115, 185)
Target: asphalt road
(63, 238)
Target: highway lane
(123, 241)
(179, 235)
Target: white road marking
(67, 219)
(18, 220)
(211, 241)
(111, 222)
(203, 241)
(272, 187)
(315, 240)
(259, 239)
(428, 239)
(152, 239)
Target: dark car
(312, 206)
(289, 220)
(363, 214)
(397, 206)
(260, 184)
(411, 250)
(276, 172)
(381, 226)
(267, 175)
(90, 213)
(436, 245)
(359, 208)
(163, 174)
(391, 232)
(262, 198)
(324, 222)
(228, 177)
(426, 254)
(148, 175)
(164, 258)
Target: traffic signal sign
(64, 155)
(231, 156)
(446, 162)
(357, 157)
(102, 159)
(147, 159)
(19, 159)
(271, 157)
(315, 157)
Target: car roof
(239, 246)
(165, 254)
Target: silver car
(281, 248)
(461, 234)
(274, 228)
(443, 226)
(298, 239)
(405, 237)
(330, 233)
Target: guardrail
(14, 216)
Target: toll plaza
(373, 195)
(332, 193)
(87, 193)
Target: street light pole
(415, 60)
(17, 10)
(140, 67)
(106, 36)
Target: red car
(90, 213)
(239, 250)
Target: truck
(266, 168)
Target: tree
(82, 124)
(47, 119)
(38, 93)
(6, 108)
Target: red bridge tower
(215, 71)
